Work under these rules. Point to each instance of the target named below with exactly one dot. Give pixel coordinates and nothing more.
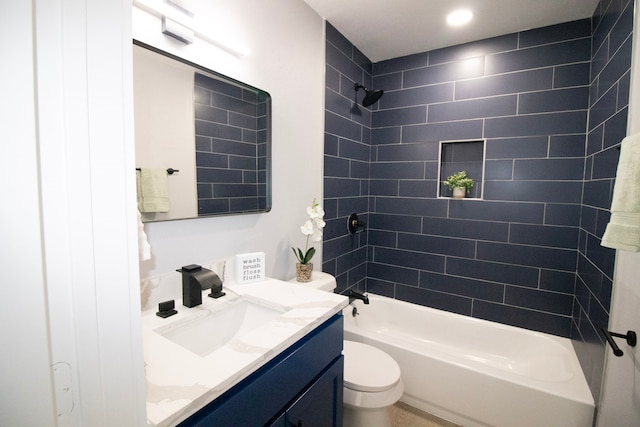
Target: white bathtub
(475, 372)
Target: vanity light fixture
(459, 17)
(182, 25)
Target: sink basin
(209, 329)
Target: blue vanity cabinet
(301, 386)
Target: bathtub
(475, 372)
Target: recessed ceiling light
(459, 17)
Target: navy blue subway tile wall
(550, 105)
(231, 136)
(609, 99)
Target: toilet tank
(319, 280)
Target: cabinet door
(321, 404)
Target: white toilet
(372, 380)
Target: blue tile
(387, 82)
(532, 256)
(437, 245)
(534, 191)
(407, 276)
(595, 140)
(354, 150)
(544, 235)
(597, 194)
(390, 135)
(336, 38)
(615, 129)
(438, 300)
(548, 169)
(336, 167)
(474, 49)
(245, 163)
(408, 206)
(217, 130)
(337, 103)
(384, 187)
(386, 239)
(605, 163)
(604, 108)
(615, 68)
(555, 33)
(331, 145)
(339, 187)
(418, 188)
(513, 148)
(572, 75)
(593, 279)
(523, 81)
(567, 146)
(466, 129)
(397, 170)
(212, 160)
(588, 219)
(448, 72)
(622, 29)
(501, 273)
(542, 56)
(471, 109)
(386, 222)
(466, 287)
(409, 152)
(214, 175)
(562, 214)
(532, 213)
(554, 100)
(550, 302)
(340, 126)
(410, 259)
(417, 96)
(468, 229)
(602, 257)
(400, 64)
(524, 318)
(380, 287)
(233, 147)
(498, 169)
(400, 116)
(558, 281)
(342, 63)
(346, 206)
(536, 124)
(234, 190)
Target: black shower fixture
(370, 97)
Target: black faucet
(196, 279)
(353, 295)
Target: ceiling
(384, 29)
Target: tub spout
(353, 295)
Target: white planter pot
(459, 193)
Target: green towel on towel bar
(153, 190)
(623, 230)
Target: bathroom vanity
(270, 354)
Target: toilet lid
(367, 368)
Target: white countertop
(179, 382)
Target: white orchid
(312, 228)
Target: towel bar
(170, 171)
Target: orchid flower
(312, 228)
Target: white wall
(164, 127)
(286, 43)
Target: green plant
(313, 230)
(459, 179)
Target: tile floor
(403, 415)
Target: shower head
(370, 97)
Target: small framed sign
(250, 267)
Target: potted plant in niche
(460, 184)
(312, 228)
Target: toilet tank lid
(319, 280)
(368, 369)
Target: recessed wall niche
(456, 156)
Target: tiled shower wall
(231, 136)
(551, 104)
(608, 108)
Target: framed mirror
(203, 140)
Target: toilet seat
(369, 369)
